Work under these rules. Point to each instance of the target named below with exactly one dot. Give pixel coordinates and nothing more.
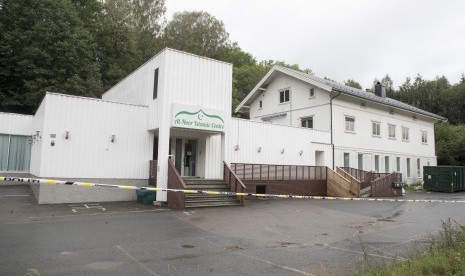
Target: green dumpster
(145, 197)
(444, 178)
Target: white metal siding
(15, 124)
(89, 153)
(37, 145)
(249, 136)
(137, 88)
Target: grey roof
(338, 87)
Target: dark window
(312, 92)
(284, 96)
(307, 122)
(155, 84)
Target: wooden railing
(175, 181)
(383, 186)
(354, 182)
(278, 172)
(153, 169)
(233, 182)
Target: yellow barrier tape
(156, 189)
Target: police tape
(203, 192)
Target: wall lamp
(301, 152)
(282, 151)
(259, 149)
(67, 135)
(236, 147)
(113, 138)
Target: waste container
(444, 178)
(145, 197)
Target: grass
(445, 256)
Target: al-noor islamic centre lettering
(198, 120)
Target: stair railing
(176, 200)
(233, 182)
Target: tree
(44, 47)
(450, 142)
(128, 37)
(197, 32)
(353, 84)
(452, 103)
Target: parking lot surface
(266, 237)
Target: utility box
(444, 178)
(145, 197)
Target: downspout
(331, 123)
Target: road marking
(13, 195)
(77, 207)
(361, 252)
(99, 214)
(137, 262)
(261, 260)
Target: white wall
(272, 138)
(362, 140)
(15, 124)
(301, 104)
(37, 144)
(89, 153)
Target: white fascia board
(283, 70)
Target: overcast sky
(340, 39)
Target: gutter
(331, 122)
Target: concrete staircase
(200, 200)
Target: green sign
(198, 120)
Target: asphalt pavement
(266, 237)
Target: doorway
(183, 152)
(319, 158)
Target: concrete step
(202, 181)
(206, 186)
(213, 199)
(366, 192)
(207, 196)
(211, 204)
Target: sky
(340, 39)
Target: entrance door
(184, 152)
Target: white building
(368, 130)
(175, 105)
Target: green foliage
(353, 84)
(197, 32)
(44, 47)
(450, 142)
(445, 256)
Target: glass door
(190, 157)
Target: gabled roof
(329, 86)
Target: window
(360, 161)
(312, 93)
(398, 164)
(284, 96)
(424, 137)
(405, 133)
(260, 104)
(377, 163)
(386, 164)
(408, 167)
(307, 122)
(346, 160)
(350, 124)
(376, 128)
(15, 153)
(155, 84)
(418, 167)
(392, 131)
